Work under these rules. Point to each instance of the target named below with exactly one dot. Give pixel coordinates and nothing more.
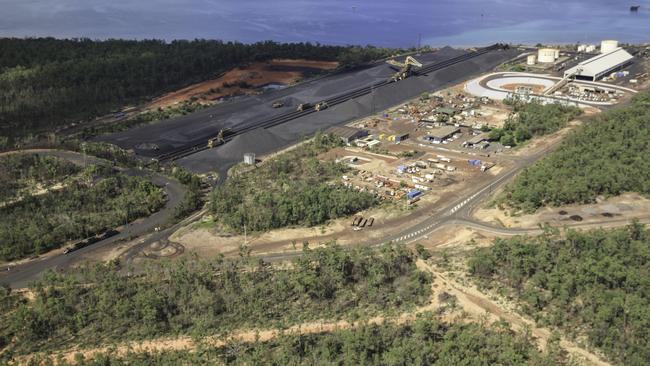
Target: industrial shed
(347, 134)
(601, 65)
(442, 133)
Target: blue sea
(377, 22)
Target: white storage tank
(582, 47)
(608, 46)
(590, 48)
(546, 55)
(557, 54)
(531, 59)
(249, 158)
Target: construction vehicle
(277, 104)
(320, 106)
(219, 139)
(303, 107)
(403, 68)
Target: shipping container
(412, 194)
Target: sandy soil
(480, 306)
(624, 207)
(208, 240)
(471, 305)
(257, 74)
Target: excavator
(404, 68)
(219, 139)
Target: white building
(608, 46)
(601, 65)
(546, 55)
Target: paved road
(457, 212)
(21, 275)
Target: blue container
(412, 194)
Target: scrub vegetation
(532, 119)
(98, 305)
(594, 284)
(46, 83)
(606, 157)
(426, 341)
(22, 174)
(293, 188)
(90, 201)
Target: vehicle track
(22, 274)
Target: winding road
(22, 274)
(457, 212)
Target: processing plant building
(597, 67)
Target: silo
(546, 55)
(530, 60)
(249, 158)
(608, 46)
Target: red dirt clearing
(280, 71)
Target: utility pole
(419, 41)
(83, 150)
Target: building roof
(443, 132)
(601, 64)
(346, 132)
(446, 110)
(478, 138)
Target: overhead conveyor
(331, 102)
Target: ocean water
(377, 22)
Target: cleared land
(244, 80)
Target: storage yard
(254, 125)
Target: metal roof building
(601, 65)
(441, 133)
(347, 134)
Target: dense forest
(89, 202)
(206, 297)
(425, 341)
(293, 188)
(594, 284)
(531, 119)
(46, 83)
(606, 157)
(21, 174)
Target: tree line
(593, 284)
(425, 341)
(23, 173)
(46, 83)
(532, 119)
(100, 305)
(294, 188)
(605, 157)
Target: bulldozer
(404, 68)
(320, 106)
(219, 139)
